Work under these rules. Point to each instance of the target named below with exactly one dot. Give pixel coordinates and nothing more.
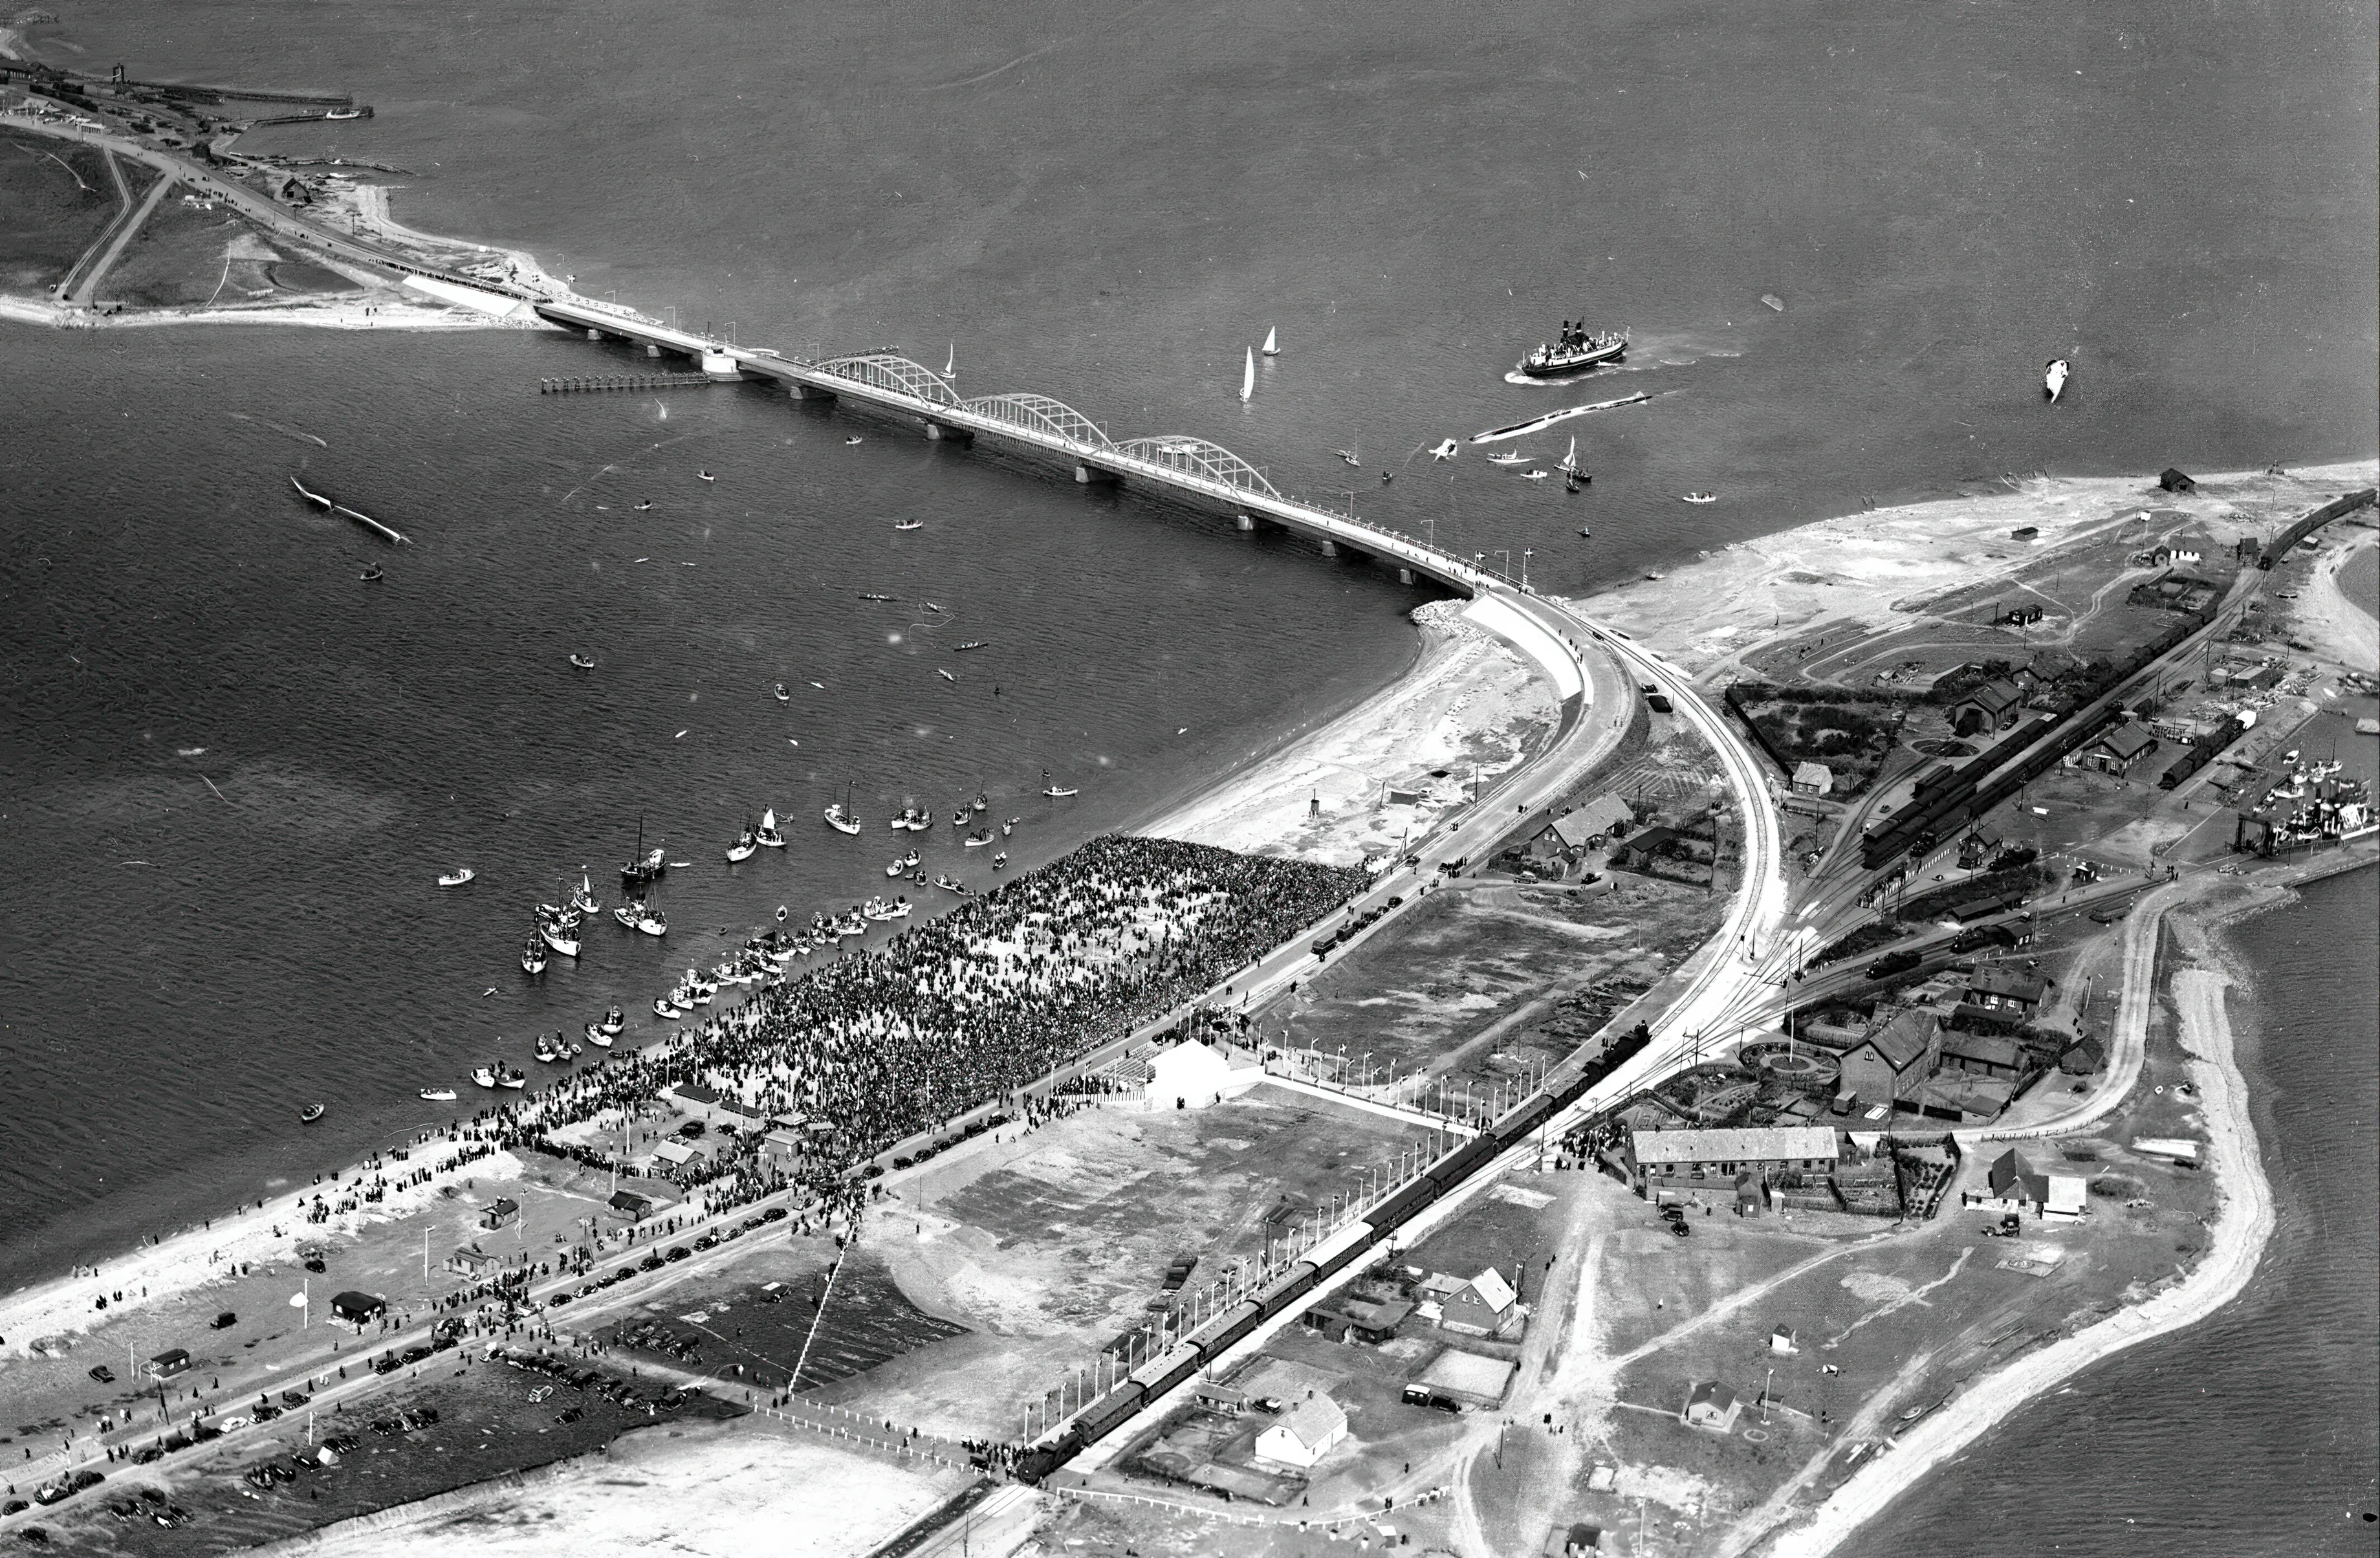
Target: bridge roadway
(1181, 463)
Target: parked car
(223, 1321)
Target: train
(1191, 1353)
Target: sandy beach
(1866, 569)
(1391, 766)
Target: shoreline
(2239, 1236)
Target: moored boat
(310, 1113)
(767, 837)
(456, 877)
(978, 839)
(514, 1078)
(747, 844)
(485, 1076)
(646, 865)
(533, 956)
(558, 937)
(596, 1037)
(442, 1095)
(839, 817)
(661, 1008)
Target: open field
(188, 254)
(59, 198)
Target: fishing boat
(646, 865)
(747, 844)
(441, 1095)
(909, 524)
(584, 662)
(1507, 459)
(972, 644)
(1574, 351)
(661, 1008)
(2053, 380)
(1445, 449)
(977, 840)
(481, 1075)
(596, 1037)
(514, 1079)
(782, 696)
(533, 956)
(1248, 378)
(652, 922)
(629, 912)
(373, 575)
(1272, 342)
(456, 877)
(767, 837)
(839, 814)
(1700, 497)
(558, 937)
(310, 1113)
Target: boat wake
(1535, 423)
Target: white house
(1189, 1075)
(1303, 1434)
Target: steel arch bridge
(1038, 413)
(1197, 457)
(887, 371)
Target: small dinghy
(971, 644)
(373, 575)
(1700, 497)
(909, 525)
(515, 1080)
(661, 1008)
(1534, 476)
(312, 1113)
(854, 438)
(782, 696)
(644, 505)
(704, 476)
(485, 1076)
(613, 1021)
(584, 662)
(456, 877)
(1000, 861)
(977, 840)
(596, 1037)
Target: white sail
(2054, 382)
(951, 364)
(1248, 378)
(1272, 342)
(769, 822)
(1570, 461)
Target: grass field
(58, 198)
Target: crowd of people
(968, 1009)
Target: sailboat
(1569, 466)
(1248, 378)
(1272, 342)
(1353, 456)
(952, 366)
(838, 817)
(747, 844)
(646, 865)
(769, 836)
(584, 900)
(2053, 382)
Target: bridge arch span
(1197, 457)
(1042, 414)
(888, 371)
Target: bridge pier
(942, 435)
(593, 334)
(1247, 523)
(1330, 547)
(1086, 474)
(1405, 576)
(652, 348)
(801, 391)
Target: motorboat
(584, 662)
(312, 1113)
(1000, 861)
(1058, 792)
(596, 1037)
(629, 912)
(1584, 531)
(913, 819)
(909, 524)
(441, 1095)
(2053, 378)
(876, 596)
(1574, 351)
(782, 696)
(533, 956)
(456, 877)
(699, 985)
(897, 910)
(559, 938)
(1701, 497)
(661, 1008)
(1534, 476)
(977, 840)
(1507, 459)
(747, 844)
(481, 1075)
(852, 924)
(973, 644)
(767, 835)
